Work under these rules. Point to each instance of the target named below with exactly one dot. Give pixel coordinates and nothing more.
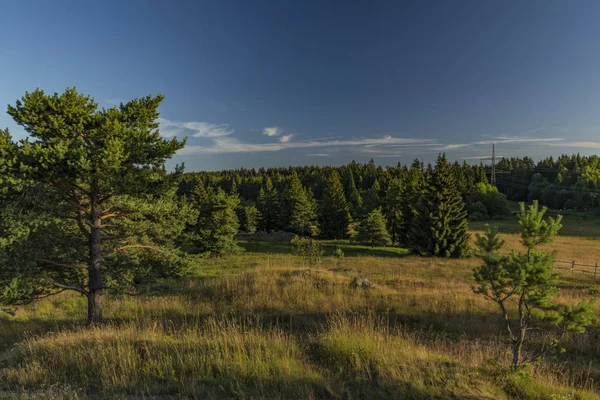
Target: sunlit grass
(267, 325)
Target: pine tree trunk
(516, 361)
(95, 269)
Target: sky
(277, 83)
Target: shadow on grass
(584, 225)
(12, 331)
(350, 249)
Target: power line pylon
(493, 175)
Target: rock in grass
(358, 282)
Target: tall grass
(268, 327)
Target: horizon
(304, 83)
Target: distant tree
(414, 184)
(477, 211)
(495, 203)
(217, 224)
(87, 204)
(334, 215)
(248, 216)
(372, 198)
(561, 198)
(372, 230)
(394, 204)
(355, 200)
(440, 226)
(269, 206)
(537, 186)
(299, 208)
(310, 249)
(523, 286)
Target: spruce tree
(334, 215)
(372, 198)
(414, 183)
(299, 208)
(217, 224)
(394, 203)
(355, 200)
(249, 216)
(440, 226)
(269, 206)
(372, 230)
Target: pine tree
(269, 206)
(300, 210)
(440, 226)
(99, 212)
(522, 284)
(217, 224)
(372, 230)
(334, 213)
(394, 204)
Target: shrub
(477, 211)
(311, 250)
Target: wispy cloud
(318, 155)
(224, 145)
(595, 145)
(482, 157)
(285, 138)
(272, 131)
(170, 128)
(499, 140)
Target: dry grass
(270, 327)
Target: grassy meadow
(264, 324)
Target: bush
(477, 211)
(561, 199)
(493, 202)
(570, 205)
(311, 250)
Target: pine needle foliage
(523, 286)
(372, 230)
(440, 227)
(335, 213)
(87, 204)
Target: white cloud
(272, 131)
(285, 138)
(170, 128)
(499, 140)
(318, 155)
(224, 145)
(482, 157)
(595, 145)
(453, 146)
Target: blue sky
(265, 83)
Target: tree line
(376, 205)
(569, 182)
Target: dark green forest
(296, 198)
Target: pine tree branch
(82, 226)
(70, 266)
(67, 287)
(140, 246)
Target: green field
(264, 324)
